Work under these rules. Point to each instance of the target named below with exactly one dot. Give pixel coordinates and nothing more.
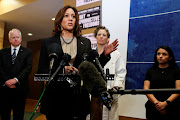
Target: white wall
(115, 16)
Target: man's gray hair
(11, 31)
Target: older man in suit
(15, 67)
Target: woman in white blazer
(116, 66)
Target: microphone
(107, 71)
(74, 72)
(94, 82)
(93, 57)
(53, 50)
(85, 57)
(65, 59)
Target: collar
(17, 49)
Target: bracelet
(168, 102)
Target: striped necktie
(14, 56)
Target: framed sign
(92, 39)
(84, 2)
(90, 18)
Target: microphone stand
(143, 91)
(37, 105)
(47, 83)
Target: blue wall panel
(147, 33)
(135, 73)
(148, 7)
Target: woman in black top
(60, 100)
(163, 74)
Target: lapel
(9, 56)
(80, 46)
(56, 39)
(80, 49)
(20, 54)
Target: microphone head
(66, 57)
(54, 50)
(53, 55)
(107, 71)
(92, 55)
(85, 57)
(92, 79)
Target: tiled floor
(30, 105)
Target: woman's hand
(109, 48)
(161, 105)
(70, 69)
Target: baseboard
(129, 118)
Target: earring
(59, 26)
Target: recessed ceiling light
(53, 18)
(30, 34)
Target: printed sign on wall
(89, 18)
(92, 39)
(84, 2)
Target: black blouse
(162, 78)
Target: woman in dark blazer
(60, 100)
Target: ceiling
(34, 17)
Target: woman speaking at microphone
(60, 101)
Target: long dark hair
(57, 29)
(172, 62)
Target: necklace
(65, 41)
(163, 70)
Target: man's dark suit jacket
(20, 69)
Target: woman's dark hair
(99, 28)
(172, 62)
(58, 20)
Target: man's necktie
(14, 56)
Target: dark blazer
(20, 69)
(83, 46)
(79, 102)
